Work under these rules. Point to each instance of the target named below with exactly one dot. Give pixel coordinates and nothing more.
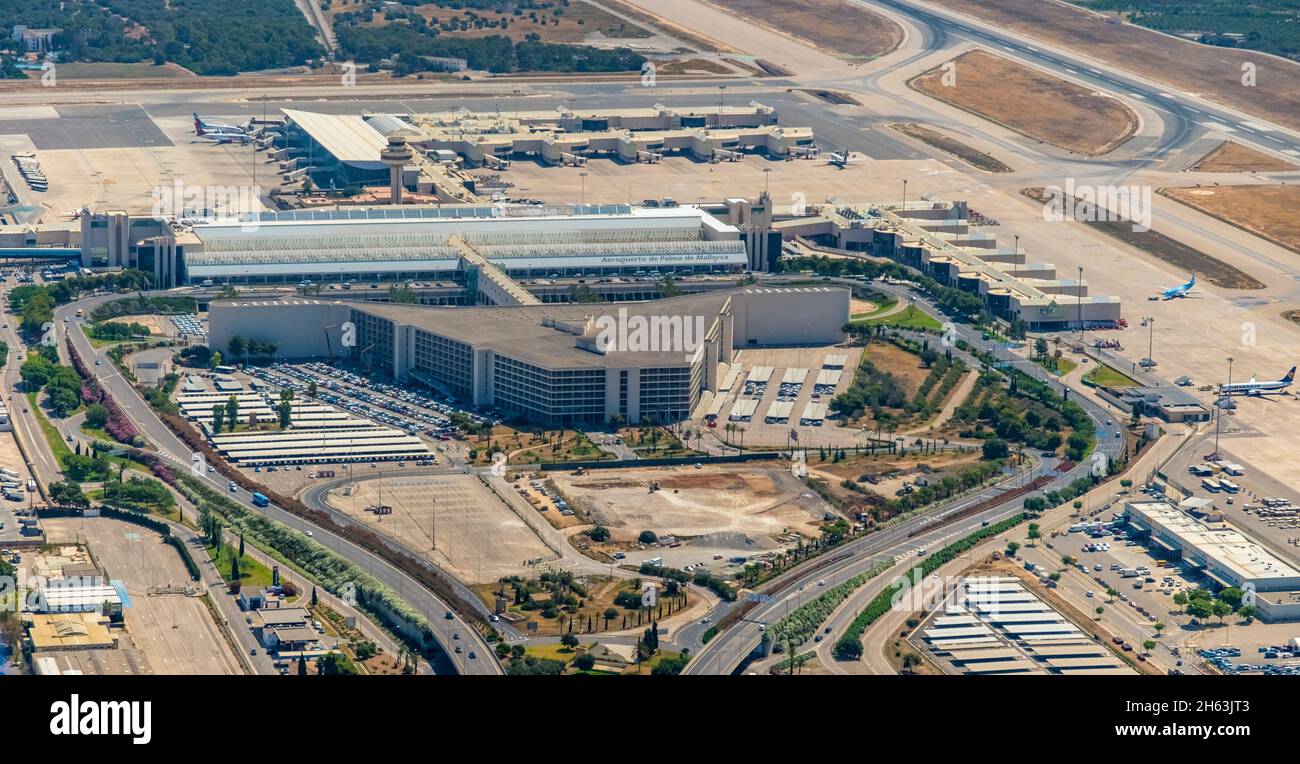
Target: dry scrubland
(1266, 211)
(1212, 72)
(1031, 102)
(1234, 157)
(834, 26)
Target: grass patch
(911, 317)
(1058, 366)
(251, 572)
(57, 444)
(881, 307)
(1106, 376)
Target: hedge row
(849, 646)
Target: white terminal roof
(511, 237)
(347, 137)
(1225, 546)
(759, 374)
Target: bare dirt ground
(834, 26)
(478, 537)
(1212, 72)
(970, 156)
(1234, 157)
(175, 632)
(764, 501)
(1266, 211)
(1031, 102)
(157, 325)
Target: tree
(610, 613)
(1034, 533)
(1221, 610)
(1149, 645)
(1099, 610)
(302, 666)
(234, 570)
(218, 419)
(97, 415)
(232, 412)
(598, 533)
(237, 346)
(241, 554)
(1012, 548)
(215, 359)
(569, 640)
(314, 599)
(585, 662)
(647, 537)
(1159, 626)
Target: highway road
(726, 651)
(1184, 113)
(172, 448)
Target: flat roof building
(1221, 553)
(557, 363)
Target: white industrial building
(1223, 554)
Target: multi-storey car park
(554, 364)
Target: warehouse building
(554, 364)
(1223, 554)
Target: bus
(1229, 486)
(1211, 485)
(260, 500)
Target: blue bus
(260, 501)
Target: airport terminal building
(395, 243)
(553, 364)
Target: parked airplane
(1259, 388)
(217, 137)
(214, 127)
(1179, 291)
(841, 159)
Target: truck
(260, 500)
(1128, 573)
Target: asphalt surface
(725, 652)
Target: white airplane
(1259, 388)
(841, 159)
(214, 127)
(1181, 290)
(218, 137)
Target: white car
(1090, 594)
(821, 582)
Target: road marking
(1167, 95)
(1094, 71)
(1071, 71)
(1292, 152)
(1217, 126)
(1139, 97)
(1274, 138)
(1030, 47)
(1260, 128)
(1013, 50)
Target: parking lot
(781, 382)
(368, 396)
(477, 536)
(176, 632)
(1146, 586)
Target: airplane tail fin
(1193, 280)
(1290, 375)
(198, 125)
